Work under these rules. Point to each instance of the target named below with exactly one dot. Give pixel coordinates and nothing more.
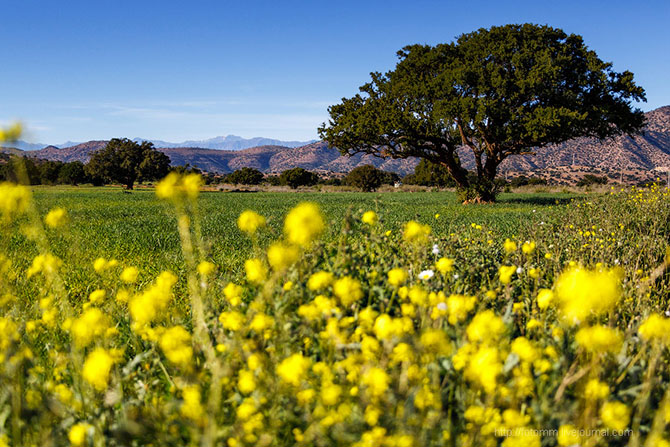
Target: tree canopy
(126, 162)
(496, 92)
(298, 177)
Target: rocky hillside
(648, 151)
(638, 154)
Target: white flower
(442, 306)
(436, 249)
(456, 276)
(426, 274)
(519, 270)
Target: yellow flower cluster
(176, 186)
(416, 233)
(250, 221)
(582, 292)
(146, 307)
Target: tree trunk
(129, 186)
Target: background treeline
(364, 178)
(43, 172)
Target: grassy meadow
(176, 316)
(141, 230)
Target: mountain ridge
(640, 153)
(228, 142)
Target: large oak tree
(497, 92)
(126, 162)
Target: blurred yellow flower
(581, 292)
(250, 222)
(304, 224)
(370, 218)
(509, 246)
(97, 366)
(505, 272)
(176, 345)
(416, 233)
(397, 277)
(599, 339)
(129, 275)
(348, 290)
(256, 271)
(78, 434)
(615, 415)
(57, 217)
(292, 369)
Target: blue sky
(177, 70)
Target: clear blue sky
(177, 70)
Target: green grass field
(140, 230)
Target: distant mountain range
(637, 155)
(229, 143)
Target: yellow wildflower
(444, 265)
(319, 280)
(292, 369)
(506, 272)
(416, 233)
(256, 270)
(509, 246)
(97, 366)
(129, 275)
(348, 290)
(599, 339)
(176, 345)
(397, 277)
(57, 217)
(370, 218)
(303, 224)
(250, 222)
(583, 292)
(615, 415)
(281, 256)
(78, 434)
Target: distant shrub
(245, 176)
(590, 179)
(298, 177)
(273, 180)
(366, 178)
(522, 180)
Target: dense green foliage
(125, 161)
(298, 177)
(498, 92)
(368, 178)
(590, 179)
(245, 176)
(427, 173)
(43, 172)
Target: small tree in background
(590, 179)
(427, 173)
(366, 178)
(126, 162)
(245, 176)
(298, 177)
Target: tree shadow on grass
(539, 200)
